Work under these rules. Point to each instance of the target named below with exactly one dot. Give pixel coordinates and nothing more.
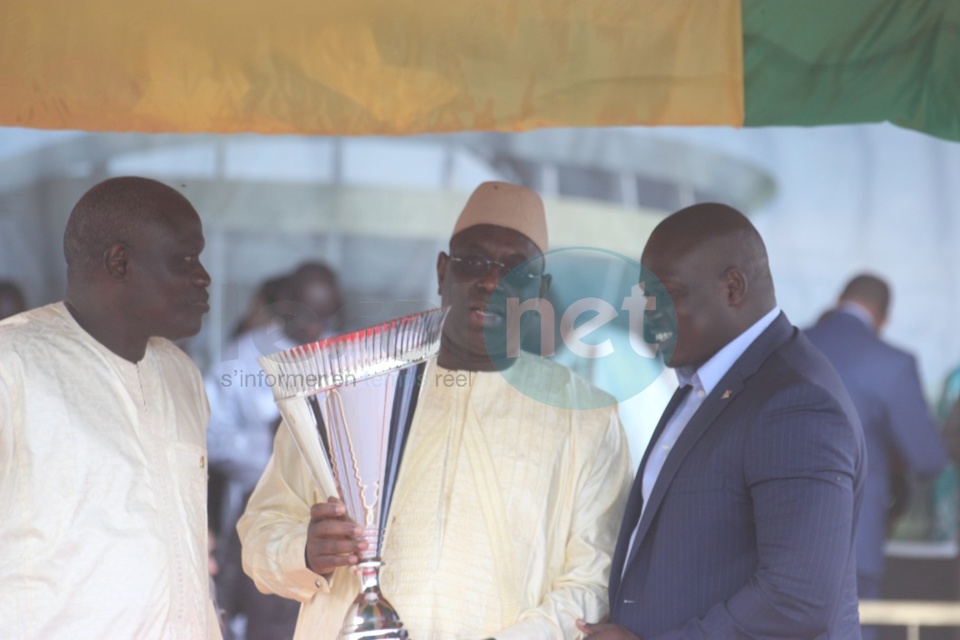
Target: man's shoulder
(842, 332)
(838, 322)
(20, 332)
(800, 360)
(537, 376)
(798, 373)
(896, 356)
(845, 340)
(568, 405)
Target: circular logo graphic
(583, 309)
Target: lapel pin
(726, 394)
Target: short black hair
(109, 213)
(868, 289)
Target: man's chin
(183, 330)
(670, 357)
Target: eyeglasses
(476, 266)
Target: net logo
(594, 311)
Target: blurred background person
(259, 312)
(12, 301)
(884, 384)
(287, 311)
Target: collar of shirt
(706, 377)
(858, 311)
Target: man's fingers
(325, 554)
(335, 546)
(604, 631)
(328, 510)
(334, 529)
(333, 539)
(325, 565)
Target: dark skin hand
(605, 631)
(333, 539)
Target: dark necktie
(636, 509)
(678, 397)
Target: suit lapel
(635, 501)
(713, 405)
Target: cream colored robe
(103, 479)
(504, 520)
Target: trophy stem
(371, 533)
(371, 616)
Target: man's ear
(735, 282)
(442, 259)
(116, 260)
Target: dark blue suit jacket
(885, 388)
(749, 530)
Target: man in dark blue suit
(741, 519)
(885, 388)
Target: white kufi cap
(506, 205)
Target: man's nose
(490, 279)
(201, 278)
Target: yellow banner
(368, 66)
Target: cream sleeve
(580, 590)
(273, 529)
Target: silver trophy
(348, 402)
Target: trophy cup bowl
(348, 403)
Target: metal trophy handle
(349, 402)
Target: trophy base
(383, 634)
(371, 616)
(372, 620)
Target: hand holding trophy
(348, 402)
(333, 539)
